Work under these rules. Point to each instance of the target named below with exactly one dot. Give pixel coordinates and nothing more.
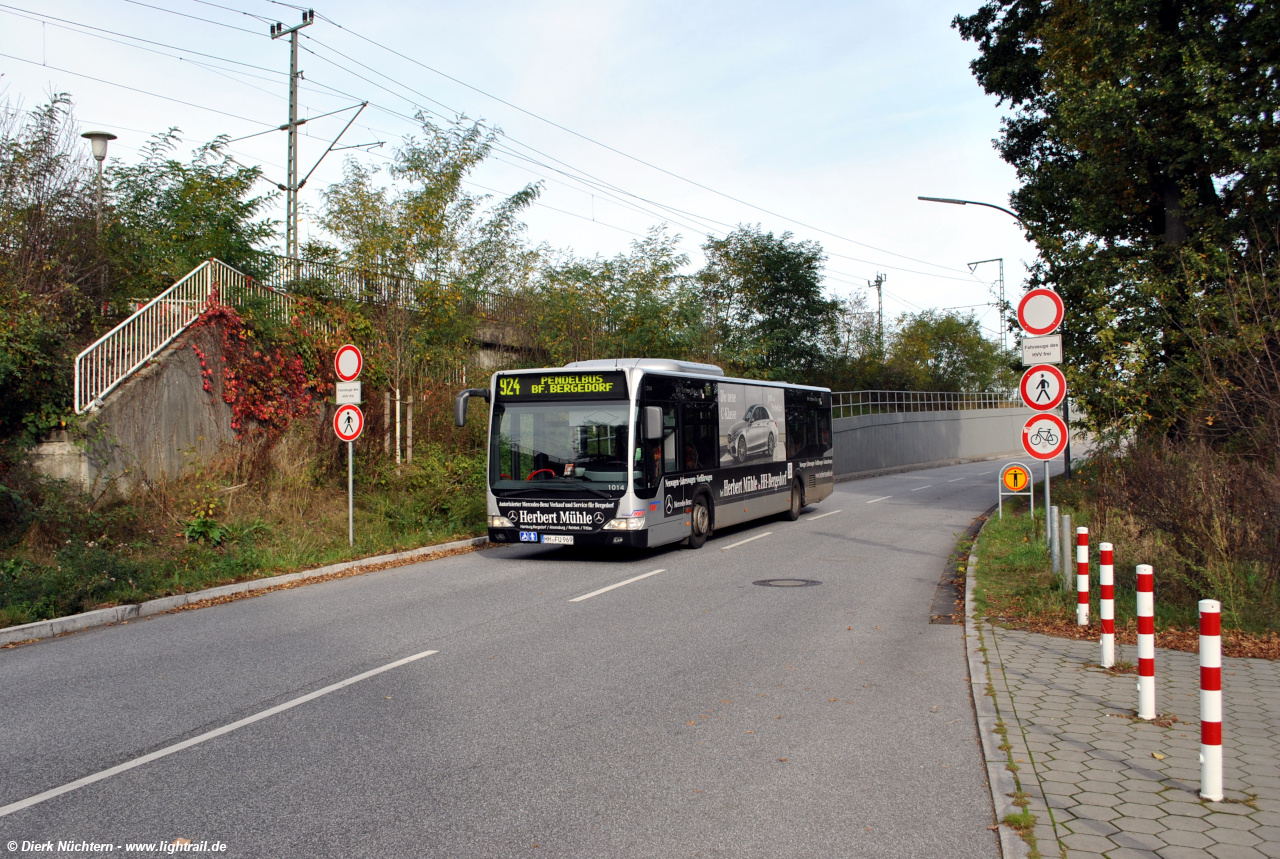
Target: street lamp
(99, 139)
(1008, 212)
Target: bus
(644, 452)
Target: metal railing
(346, 283)
(847, 404)
(125, 349)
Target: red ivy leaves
(265, 388)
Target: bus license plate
(563, 539)
(528, 536)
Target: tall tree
(1145, 138)
(764, 297)
(169, 215)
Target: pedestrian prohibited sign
(1044, 436)
(348, 422)
(1040, 312)
(1043, 387)
(1015, 477)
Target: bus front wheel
(699, 522)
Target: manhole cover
(786, 583)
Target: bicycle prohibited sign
(1043, 387)
(348, 362)
(1044, 436)
(1040, 312)
(1015, 477)
(348, 422)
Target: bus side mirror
(652, 423)
(460, 404)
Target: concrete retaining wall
(153, 426)
(887, 441)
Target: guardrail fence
(847, 404)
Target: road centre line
(957, 479)
(918, 488)
(618, 585)
(820, 515)
(208, 735)
(881, 498)
(748, 540)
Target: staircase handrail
(126, 348)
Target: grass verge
(1016, 588)
(215, 527)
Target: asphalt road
(687, 713)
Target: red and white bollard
(1146, 643)
(1211, 700)
(1107, 586)
(1082, 576)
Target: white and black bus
(644, 452)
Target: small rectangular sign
(347, 392)
(561, 539)
(1042, 350)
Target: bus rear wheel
(699, 522)
(797, 502)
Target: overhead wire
(616, 151)
(598, 185)
(136, 89)
(604, 189)
(195, 17)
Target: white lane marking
(748, 540)
(881, 498)
(909, 477)
(820, 515)
(208, 735)
(918, 488)
(618, 585)
(985, 472)
(957, 479)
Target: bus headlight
(500, 522)
(631, 523)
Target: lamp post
(99, 139)
(1008, 212)
(1066, 413)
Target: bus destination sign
(534, 387)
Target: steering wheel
(533, 474)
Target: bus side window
(670, 463)
(701, 433)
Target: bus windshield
(560, 446)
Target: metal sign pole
(1048, 526)
(351, 518)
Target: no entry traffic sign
(348, 422)
(1040, 312)
(348, 363)
(1043, 387)
(1044, 436)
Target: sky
(823, 119)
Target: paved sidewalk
(1101, 782)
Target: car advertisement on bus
(753, 427)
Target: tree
(432, 248)
(764, 300)
(933, 351)
(51, 265)
(1145, 138)
(168, 216)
